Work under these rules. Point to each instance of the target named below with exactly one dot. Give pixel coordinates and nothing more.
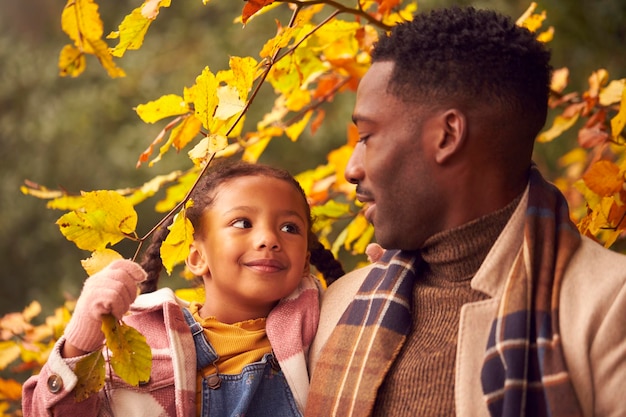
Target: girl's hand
(109, 291)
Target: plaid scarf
(524, 373)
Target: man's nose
(354, 168)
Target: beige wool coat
(592, 320)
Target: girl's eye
(241, 224)
(290, 228)
(363, 139)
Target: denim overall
(260, 390)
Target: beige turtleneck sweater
(421, 380)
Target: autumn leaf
(207, 147)
(205, 98)
(131, 356)
(559, 125)
(10, 390)
(105, 218)
(175, 248)
(81, 20)
(604, 178)
(295, 130)
(253, 6)
(99, 260)
(165, 106)
(91, 375)
(72, 62)
(9, 352)
(619, 121)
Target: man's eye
(241, 224)
(363, 139)
(290, 228)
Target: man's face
(392, 164)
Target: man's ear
(454, 134)
(196, 261)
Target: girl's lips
(266, 265)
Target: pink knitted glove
(109, 291)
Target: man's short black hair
(462, 53)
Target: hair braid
(151, 261)
(325, 261)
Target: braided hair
(203, 196)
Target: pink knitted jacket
(171, 390)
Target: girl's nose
(267, 239)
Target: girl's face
(252, 250)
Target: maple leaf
(131, 356)
(105, 218)
(91, 375)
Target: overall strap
(205, 354)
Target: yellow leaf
(356, 228)
(207, 147)
(559, 125)
(191, 294)
(612, 93)
(9, 351)
(131, 356)
(604, 178)
(560, 79)
(295, 130)
(131, 32)
(175, 248)
(185, 132)
(229, 102)
(176, 193)
(165, 106)
(298, 99)
(72, 62)
(205, 97)
(101, 50)
(99, 260)
(244, 73)
(31, 311)
(619, 121)
(91, 374)
(81, 20)
(106, 218)
(255, 148)
(339, 158)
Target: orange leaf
(604, 178)
(253, 6)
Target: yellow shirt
(237, 344)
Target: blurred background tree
(82, 134)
